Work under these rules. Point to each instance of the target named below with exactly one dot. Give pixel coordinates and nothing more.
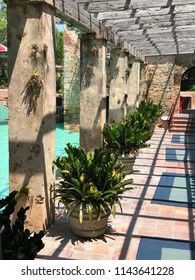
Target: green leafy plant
(3, 40)
(3, 23)
(125, 137)
(192, 88)
(60, 83)
(150, 112)
(3, 72)
(130, 136)
(17, 242)
(59, 47)
(90, 182)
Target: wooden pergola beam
(119, 5)
(134, 25)
(70, 12)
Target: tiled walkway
(156, 207)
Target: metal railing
(172, 112)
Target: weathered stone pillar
(119, 74)
(93, 92)
(142, 83)
(71, 78)
(32, 94)
(134, 86)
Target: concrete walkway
(159, 206)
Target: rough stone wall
(163, 78)
(71, 77)
(160, 80)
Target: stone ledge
(74, 127)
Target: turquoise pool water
(4, 173)
(62, 138)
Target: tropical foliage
(3, 23)
(125, 137)
(3, 40)
(60, 83)
(150, 112)
(90, 182)
(59, 47)
(17, 243)
(130, 136)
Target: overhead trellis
(144, 27)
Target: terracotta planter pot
(89, 229)
(128, 162)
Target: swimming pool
(4, 173)
(62, 138)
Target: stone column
(134, 86)
(119, 74)
(71, 78)
(93, 92)
(32, 94)
(142, 84)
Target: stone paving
(142, 216)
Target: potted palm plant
(91, 187)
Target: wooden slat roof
(144, 27)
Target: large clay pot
(89, 229)
(128, 162)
